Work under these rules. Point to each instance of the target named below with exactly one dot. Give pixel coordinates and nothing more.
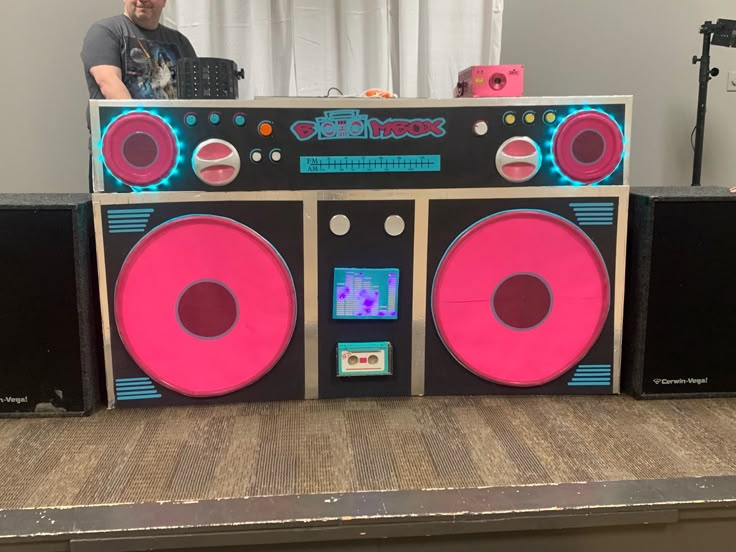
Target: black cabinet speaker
(680, 307)
(49, 326)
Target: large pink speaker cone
(520, 297)
(205, 305)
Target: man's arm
(101, 55)
(110, 80)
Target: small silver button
(340, 225)
(394, 225)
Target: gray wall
(638, 47)
(43, 133)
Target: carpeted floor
(355, 445)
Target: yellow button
(509, 118)
(529, 117)
(550, 117)
(265, 129)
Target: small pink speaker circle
(140, 149)
(588, 146)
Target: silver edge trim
(327, 195)
(419, 300)
(618, 299)
(311, 303)
(97, 176)
(627, 139)
(104, 304)
(320, 103)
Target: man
(132, 55)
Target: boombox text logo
(347, 124)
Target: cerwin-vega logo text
(346, 124)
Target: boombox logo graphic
(346, 124)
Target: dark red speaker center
(588, 146)
(522, 301)
(140, 149)
(207, 309)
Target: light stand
(722, 33)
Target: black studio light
(720, 33)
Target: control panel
(358, 143)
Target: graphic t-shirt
(147, 59)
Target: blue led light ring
(553, 131)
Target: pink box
(482, 81)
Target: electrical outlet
(731, 85)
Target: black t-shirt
(147, 59)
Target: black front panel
(690, 324)
(42, 366)
(280, 223)
(366, 245)
(450, 218)
(379, 148)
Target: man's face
(145, 13)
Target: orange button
(265, 129)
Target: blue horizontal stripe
(586, 384)
(369, 163)
(118, 216)
(135, 388)
(592, 381)
(590, 366)
(135, 397)
(137, 382)
(592, 209)
(116, 211)
(132, 379)
(128, 220)
(604, 373)
(596, 223)
(601, 204)
(136, 231)
(123, 226)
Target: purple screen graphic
(366, 293)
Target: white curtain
(413, 48)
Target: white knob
(480, 128)
(216, 162)
(275, 156)
(256, 156)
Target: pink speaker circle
(140, 149)
(205, 305)
(588, 146)
(520, 297)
